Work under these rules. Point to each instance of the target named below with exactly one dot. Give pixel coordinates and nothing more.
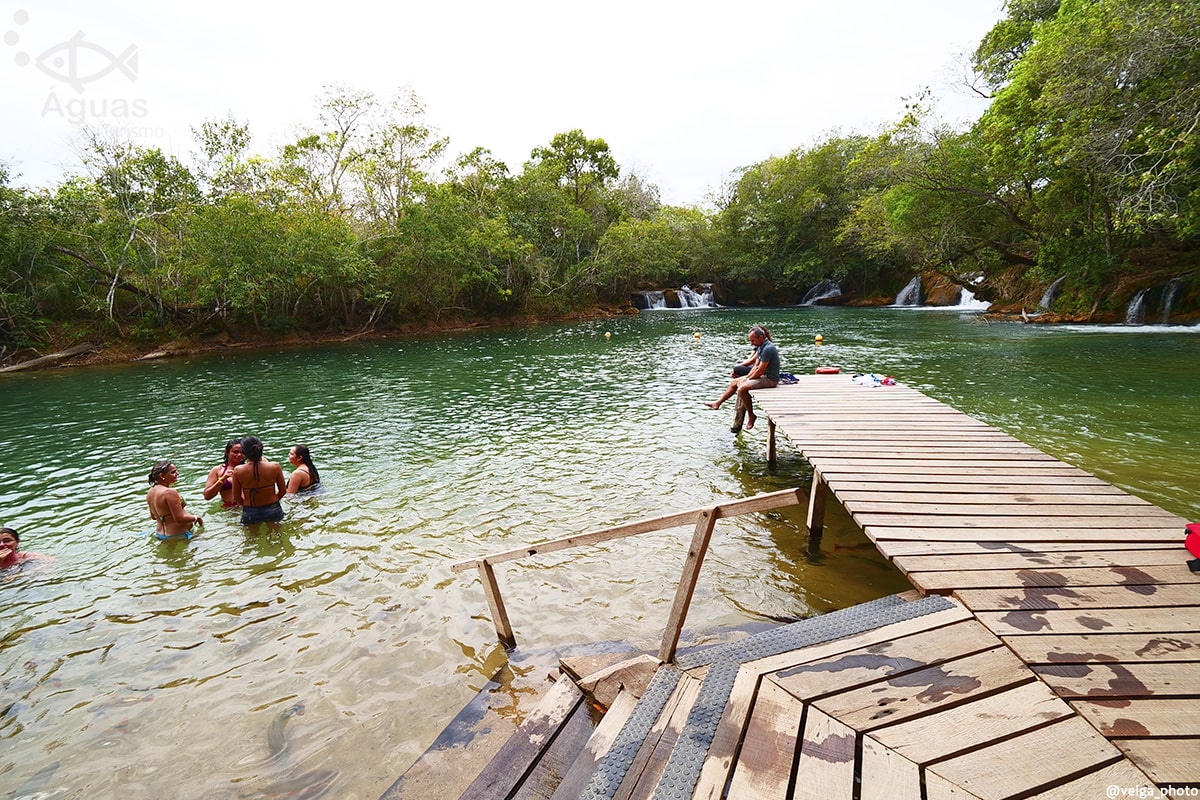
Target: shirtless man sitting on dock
(763, 375)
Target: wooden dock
(1051, 648)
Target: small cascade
(1050, 293)
(690, 298)
(1169, 295)
(826, 288)
(967, 302)
(910, 295)
(1135, 314)
(650, 301)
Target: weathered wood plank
(1095, 783)
(1062, 528)
(764, 765)
(557, 756)
(1000, 502)
(1117, 647)
(1077, 597)
(971, 485)
(1164, 620)
(871, 469)
(825, 769)
(887, 775)
(516, 756)
(1147, 576)
(1024, 763)
(1093, 507)
(1036, 560)
(1166, 761)
(854, 668)
(1145, 679)
(915, 693)
(963, 728)
(580, 772)
(1133, 719)
(894, 548)
(938, 788)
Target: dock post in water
(499, 616)
(816, 512)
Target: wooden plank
(1145, 679)
(825, 769)
(1096, 784)
(938, 788)
(1002, 510)
(971, 483)
(943, 539)
(869, 469)
(516, 756)
(962, 728)
(764, 765)
(887, 775)
(1036, 560)
(651, 759)
(1169, 619)
(909, 547)
(557, 756)
(1135, 719)
(1024, 763)
(1062, 528)
(854, 668)
(1166, 761)
(915, 693)
(580, 772)
(1147, 576)
(1077, 597)
(1122, 647)
(999, 501)
(697, 550)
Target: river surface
(148, 669)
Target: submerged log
(53, 358)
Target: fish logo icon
(77, 61)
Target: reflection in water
(127, 648)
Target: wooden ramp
(1055, 652)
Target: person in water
(166, 506)
(763, 374)
(220, 478)
(10, 549)
(258, 484)
(305, 475)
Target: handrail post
(816, 512)
(491, 590)
(770, 442)
(687, 583)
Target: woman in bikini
(220, 479)
(305, 475)
(166, 506)
(258, 484)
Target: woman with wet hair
(258, 484)
(220, 478)
(166, 506)
(10, 549)
(305, 476)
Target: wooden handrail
(703, 519)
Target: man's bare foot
(714, 406)
(750, 420)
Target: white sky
(684, 93)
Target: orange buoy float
(828, 370)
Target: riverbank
(74, 351)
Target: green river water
(148, 670)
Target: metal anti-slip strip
(616, 762)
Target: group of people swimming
(760, 370)
(244, 478)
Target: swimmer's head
(252, 448)
(159, 469)
(232, 443)
(11, 532)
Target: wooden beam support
(687, 582)
(491, 589)
(816, 512)
(770, 441)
